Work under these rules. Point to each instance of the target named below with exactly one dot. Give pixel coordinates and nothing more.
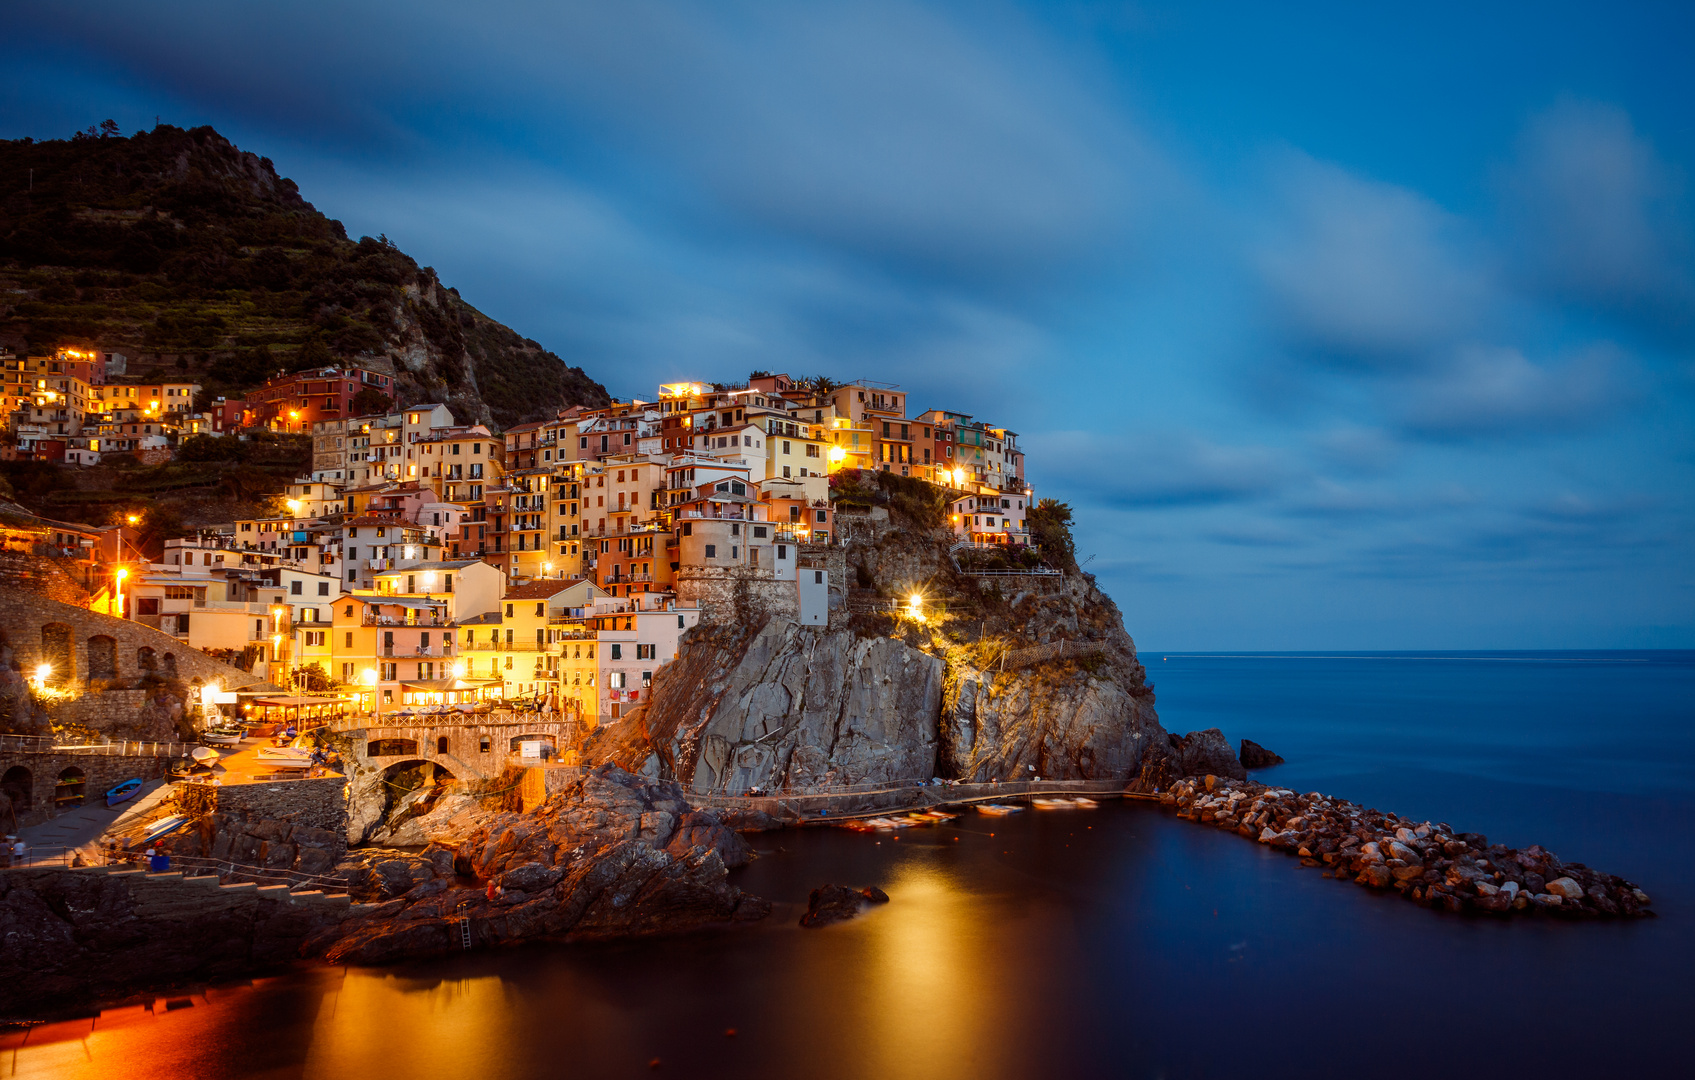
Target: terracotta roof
(540, 590)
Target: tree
(109, 129)
(1050, 527)
(369, 401)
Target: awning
(403, 601)
(290, 701)
(443, 685)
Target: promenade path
(870, 800)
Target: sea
(1115, 942)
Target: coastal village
(551, 566)
(457, 687)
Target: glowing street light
(369, 678)
(459, 670)
(133, 518)
(294, 506)
(41, 673)
(959, 478)
(915, 607)
(118, 588)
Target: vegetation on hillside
(196, 259)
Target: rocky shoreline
(1426, 862)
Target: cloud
(1155, 470)
(1360, 450)
(1597, 214)
(1485, 391)
(1366, 271)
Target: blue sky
(1339, 328)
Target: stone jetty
(1426, 862)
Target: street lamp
(118, 588)
(459, 670)
(41, 673)
(369, 678)
(294, 506)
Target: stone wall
(319, 803)
(73, 936)
(41, 630)
(55, 579)
(102, 710)
(39, 774)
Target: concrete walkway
(82, 828)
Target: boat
(1083, 803)
(937, 815)
(285, 757)
(204, 755)
(163, 827)
(123, 791)
(998, 809)
(1052, 804)
(223, 735)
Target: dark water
(1117, 942)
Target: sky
(1339, 326)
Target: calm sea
(1116, 942)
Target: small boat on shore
(204, 755)
(123, 791)
(998, 809)
(164, 826)
(285, 757)
(223, 735)
(1064, 804)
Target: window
(294, 588)
(483, 745)
(786, 446)
(782, 551)
(508, 611)
(712, 551)
(680, 622)
(818, 577)
(821, 515)
(541, 607)
(314, 637)
(441, 744)
(811, 450)
(645, 652)
(617, 651)
(323, 588)
(759, 531)
(615, 679)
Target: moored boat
(223, 735)
(204, 755)
(285, 757)
(998, 809)
(163, 827)
(123, 791)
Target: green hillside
(195, 258)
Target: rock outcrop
(880, 700)
(1255, 756)
(1426, 862)
(834, 903)
(613, 855)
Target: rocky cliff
(610, 856)
(1006, 676)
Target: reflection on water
(1116, 942)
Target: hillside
(195, 258)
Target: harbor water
(1113, 942)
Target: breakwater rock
(833, 903)
(613, 855)
(1426, 862)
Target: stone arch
(147, 660)
(57, 649)
(411, 787)
(102, 657)
(170, 666)
(391, 748)
(19, 786)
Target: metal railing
(43, 744)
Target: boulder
(833, 903)
(1566, 887)
(1203, 752)
(1255, 756)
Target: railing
(395, 620)
(43, 744)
